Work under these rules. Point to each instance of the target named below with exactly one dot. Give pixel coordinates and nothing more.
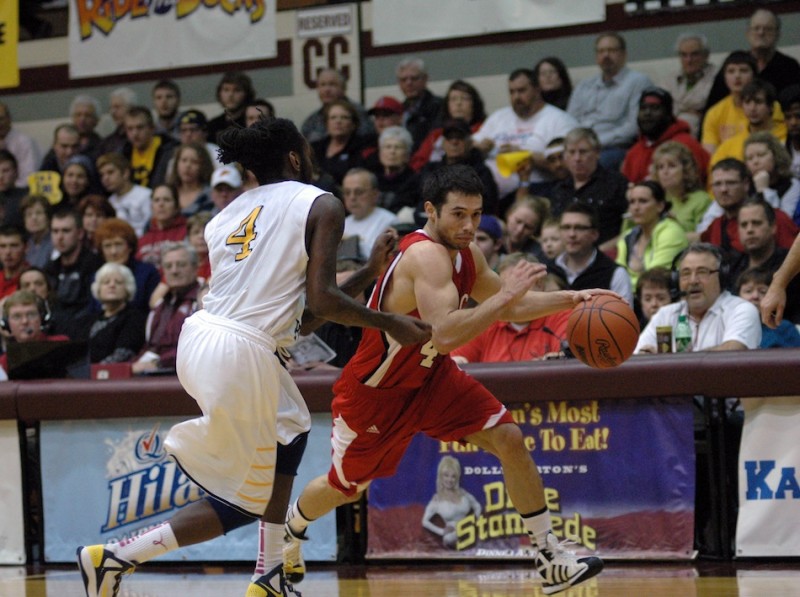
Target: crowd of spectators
(649, 188)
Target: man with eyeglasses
(582, 264)
(24, 316)
(730, 185)
(366, 220)
(691, 85)
(421, 108)
(719, 320)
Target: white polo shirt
(729, 318)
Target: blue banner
(106, 480)
(619, 480)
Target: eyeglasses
(701, 273)
(575, 227)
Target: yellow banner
(9, 38)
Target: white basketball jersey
(257, 250)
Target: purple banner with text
(619, 479)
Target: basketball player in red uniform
(387, 392)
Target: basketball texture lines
(602, 332)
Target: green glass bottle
(683, 335)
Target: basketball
(602, 332)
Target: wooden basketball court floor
(700, 579)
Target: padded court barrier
(711, 374)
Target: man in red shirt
(658, 125)
(12, 256)
(730, 184)
(506, 341)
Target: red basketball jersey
(380, 361)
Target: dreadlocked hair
(262, 147)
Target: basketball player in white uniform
(271, 250)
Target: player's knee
(230, 518)
(352, 499)
(507, 440)
(288, 457)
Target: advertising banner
(395, 22)
(12, 530)
(619, 480)
(769, 479)
(105, 480)
(9, 41)
(131, 36)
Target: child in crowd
(550, 238)
(752, 285)
(652, 293)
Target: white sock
(538, 526)
(147, 545)
(296, 521)
(270, 547)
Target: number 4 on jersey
(245, 234)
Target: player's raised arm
(325, 299)
(774, 302)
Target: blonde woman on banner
(450, 504)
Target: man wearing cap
(193, 128)
(527, 124)
(387, 112)
(458, 149)
(365, 220)
(331, 86)
(657, 125)
(226, 185)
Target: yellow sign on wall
(9, 38)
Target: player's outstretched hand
(409, 330)
(772, 306)
(585, 295)
(521, 278)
